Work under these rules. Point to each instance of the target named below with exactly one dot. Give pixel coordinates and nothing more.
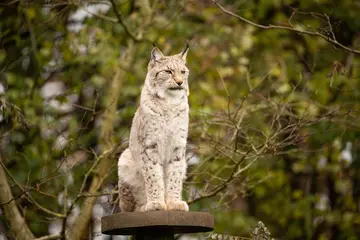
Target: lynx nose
(179, 83)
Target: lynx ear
(183, 54)
(156, 54)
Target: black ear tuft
(184, 53)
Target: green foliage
(266, 107)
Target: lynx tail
(127, 201)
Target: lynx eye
(183, 72)
(168, 71)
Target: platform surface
(131, 223)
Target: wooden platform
(156, 223)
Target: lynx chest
(166, 128)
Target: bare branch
(103, 17)
(290, 28)
(49, 237)
(330, 26)
(223, 185)
(31, 199)
(121, 21)
(104, 162)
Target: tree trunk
(19, 228)
(83, 220)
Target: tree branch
(224, 185)
(105, 161)
(103, 17)
(18, 226)
(50, 237)
(291, 28)
(121, 21)
(31, 199)
(106, 135)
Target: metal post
(154, 234)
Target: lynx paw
(155, 206)
(177, 206)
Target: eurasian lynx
(151, 171)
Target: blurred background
(274, 125)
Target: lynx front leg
(154, 179)
(175, 174)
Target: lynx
(152, 170)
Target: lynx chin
(152, 170)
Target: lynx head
(167, 75)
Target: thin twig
(330, 26)
(121, 21)
(225, 184)
(30, 197)
(103, 17)
(292, 29)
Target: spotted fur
(152, 170)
